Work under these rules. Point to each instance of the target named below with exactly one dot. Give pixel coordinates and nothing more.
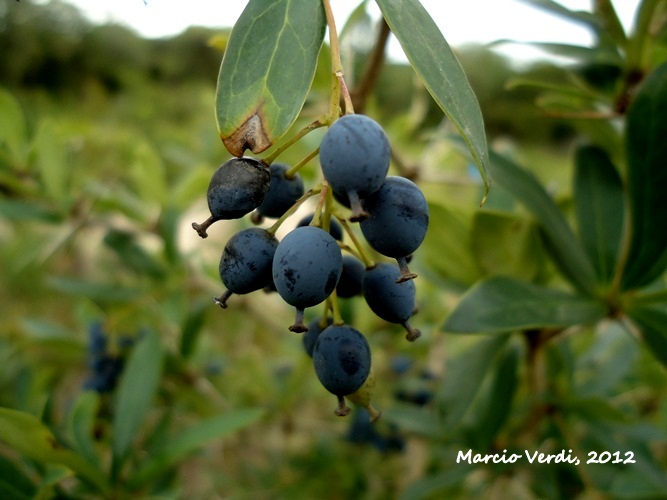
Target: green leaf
(82, 423)
(639, 44)
(580, 17)
(465, 374)
(560, 240)
(168, 229)
(192, 327)
(24, 211)
(14, 483)
(611, 24)
(13, 129)
(267, 71)
(190, 440)
(592, 55)
(653, 325)
(609, 361)
(434, 61)
(506, 244)
(646, 130)
(148, 174)
(600, 208)
(410, 418)
(31, 438)
(493, 405)
(435, 485)
(446, 249)
(138, 385)
(51, 161)
(503, 304)
(102, 292)
(132, 255)
(358, 19)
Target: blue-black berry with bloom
(236, 188)
(390, 299)
(306, 268)
(283, 192)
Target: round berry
(283, 192)
(335, 229)
(245, 264)
(349, 284)
(306, 269)
(342, 359)
(397, 220)
(236, 188)
(315, 327)
(391, 301)
(355, 155)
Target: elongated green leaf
(580, 17)
(51, 161)
(493, 406)
(192, 327)
(267, 71)
(464, 376)
(138, 385)
(610, 22)
(653, 325)
(503, 243)
(82, 422)
(413, 419)
(646, 130)
(13, 129)
(132, 254)
(31, 438)
(435, 485)
(562, 244)
(503, 304)
(24, 211)
(600, 208)
(597, 55)
(14, 483)
(192, 439)
(446, 249)
(433, 60)
(608, 362)
(148, 173)
(102, 292)
(642, 34)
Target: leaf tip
(250, 135)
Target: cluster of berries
(105, 363)
(307, 267)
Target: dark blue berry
(245, 264)
(237, 188)
(362, 430)
(97, 340)
(355, 155)
(391, 301)
(315, 327)
(349, 284)
(306, 269)
(342, 359)
(335, 229)
(282, 194)
(401, 364)
(397, 220)
(105, 368)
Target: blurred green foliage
(107, 144)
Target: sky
(461, 21)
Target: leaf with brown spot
(267, 71)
